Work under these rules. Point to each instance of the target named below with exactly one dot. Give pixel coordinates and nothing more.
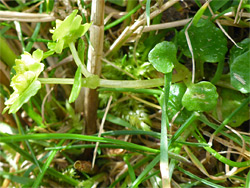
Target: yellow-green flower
(67, 31)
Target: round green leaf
(208, 42)
(200, 97)
(239, 72)
(163, 56)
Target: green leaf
(163, 56)
(208, 42)
(20, 99)
(174, 104)
(24, 82)
(231, 100)
(200, 97)
(239, 72)
(199, 13)
(76, 86)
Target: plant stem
(218, 72)
(84, 70)
(164, 139)
(133, 84)
(136, 84)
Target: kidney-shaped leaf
(200, 97)
(239, 72)
(208, 42)
(163, 56)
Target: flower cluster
(67, 31)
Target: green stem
(83, 67)
(132, 90)
(164, 139)
(133, 84)
(136, 84)
(218, 72)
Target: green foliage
(76, 86)
(67, 31)
(200, 97)
(174, 104)
(25, 82)
(229, 100)
(133, 112)
(239, 73)
(240, 66)
(163, 56)
(208, 42)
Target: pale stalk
(94, 63)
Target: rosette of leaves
(25, 83)
(67, 31)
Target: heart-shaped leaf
(208, 42)
(163, 56)
(200, 97)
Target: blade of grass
(184, 127)
(16, 138)
(198, 178)
(27, 142)
(137, 165)
(35, 33)
(130, 168)
(116, 22)
(145, 171)
(50, 171)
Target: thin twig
(101, 130)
